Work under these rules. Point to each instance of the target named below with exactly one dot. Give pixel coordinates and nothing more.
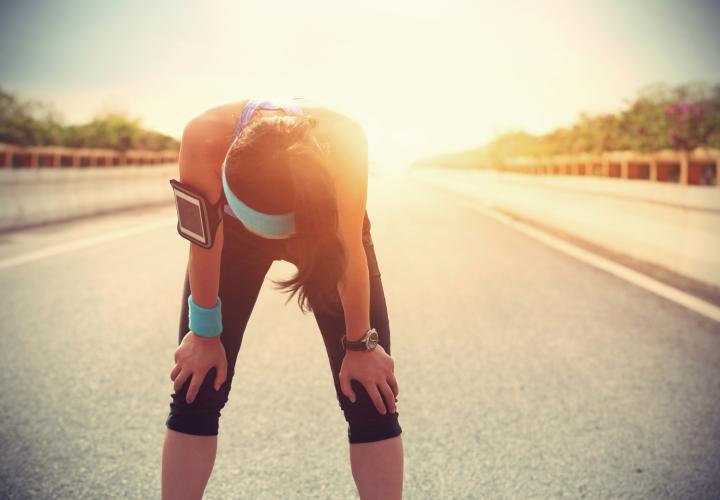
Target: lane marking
(83, 243)
(643, 281)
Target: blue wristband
(204, 321)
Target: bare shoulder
(213, 127)
(205, 140)
(331, 122)
(348, 164)
(345, 138)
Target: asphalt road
(523, 373)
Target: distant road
(523, 373)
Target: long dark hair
(276, 166)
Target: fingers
(374, 394)
(221, 374)
(180, 379)
(175, 371)
(345, 387)
(393, 384)
(389, 396)
(197, 379)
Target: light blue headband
(271, 225)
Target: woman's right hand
(195, 356)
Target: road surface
(523, 373)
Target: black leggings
(246, 258)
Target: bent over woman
(280, 181)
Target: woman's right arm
(201, 155)
(199, 169)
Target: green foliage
(28, 123)
(684, 117)
(35, 123)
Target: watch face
(372, 339)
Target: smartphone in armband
(197, 219)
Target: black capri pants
(246, 258)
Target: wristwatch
(368, 342)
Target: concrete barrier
(674, 226)
(35, 196)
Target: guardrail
(13, 156)
(698, 167)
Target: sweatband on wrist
(205, 321)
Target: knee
(201, 417)
(365, 423)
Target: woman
(292, 181)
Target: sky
(421, 76)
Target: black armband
(197, 219)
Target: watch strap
(360, 344)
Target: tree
(683, 117)
(36, 123)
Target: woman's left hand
(374, 370)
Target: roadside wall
(674, 226)
(34, 196)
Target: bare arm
(199, 169)
(201, 156)
(374, 369)
(350, 151)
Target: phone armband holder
(197, 219)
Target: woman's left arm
(373, 369)
(349, 154)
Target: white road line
(678, 296)
(84, 243)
